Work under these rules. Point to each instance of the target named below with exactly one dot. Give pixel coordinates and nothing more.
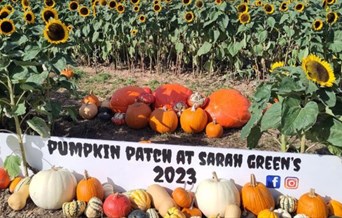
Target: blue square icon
(272, 181)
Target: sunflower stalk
(302, 143)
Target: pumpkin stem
(86, 176)
(215, 178)
(194, 106)
(253, 180)
(312, 193)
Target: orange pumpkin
(68, 73)
(4, 178)
(182, 197)
(169, 94)
(89, 187)
(192, 212)
(124, 97)
(138, 115)
(193, 120)
(14, 183)
(229, 107)
(214, 130)
(256, 196)
(91, 99)
(163, 120)
(335, 208)
(312, 205)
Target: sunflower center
(299, 7)
(186, 1)
(25, 3)
(317, 71)
(199, 4)
(56, 32)
(134, 1)
(29, 17)
(330, 17)
(268, 8)
(6, 27)
(120, 8)
(84, 11)
(48, 15)
(317, 24)
(4, 14)
(188, 16)
(73, 6)
(283, 6)
(156, 7)
(49, 3)
(112, 4)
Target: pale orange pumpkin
(191, 212)
(138, 115)
(163, 120)
(267, 213)
(335, 208)
(312, 205)
(256, 196)
(214, 129)
(193, 120)
(89, 187)
(182, 197)
(91, 99)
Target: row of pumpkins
(167, 106)
(213, 198)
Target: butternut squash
(17, 200)
(161, 199)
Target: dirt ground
(103, 82)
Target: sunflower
(49, 3)
(189, 16)
(134, 32)
(142, 18)
(331, 17)
(83, 11)
(73, 5)
(157, 8)
(120, 8)
(331, 2)
(186, 2)
(244, 17)
(14, 1)
(156, 2)
(29, 17)
(258, 3)
(242, 8)
(284, 6)
(318, 70)
(218, 2)
(276, 65)
(199, 4)
(269, 8)
(168, 1)
(134, 2)
(25, 4)
(317, 25)
(245, 1)
(4, 13)
(7, 27)
(9, 7)
(299, 7)
(103, 2)
(136, 8)
(70, 28)
(56, 32)
(112, 4)
(49, 13)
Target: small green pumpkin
(94, 208)
(152, 213)
(137, 213)
(288, 203)
(74, 208)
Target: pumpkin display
(312, 205)
(174, 212)
(58, 182)
(94, 208)
(193, 120)
(198, 100)
(161, 199)
(14, 183)
(17, 200)
(124, 97)
(163, 120)
(108, 189)
(335, 208)
(229, 107)
(140, 199)
(146, 98)
(232, 210)
(267, 213)
(91, 99)
(117, 206)
(152, 213)
(214, 129)
(68, 73)
(287, 203)
(89, 187)
(138, 115)
(88, 111)
(256, 196)
(282, 213)
(182, 197)
(179, 107)
(169, 94)
(4, 179)
(118, 119)
(74, 208)
(214, 194)
(138, 214)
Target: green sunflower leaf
(39, 126)
(204, 49)
(12, 165)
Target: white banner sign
(131, 165)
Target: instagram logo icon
(291, 182)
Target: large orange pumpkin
(124, 97)
(193, 120)
(312, 205)
(138, 115)
(169, 94)
(256, 196)
(229, 107)
(163, 120)
(89, 187)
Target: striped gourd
(287, 203)
(152, 213)
(21, 183)
(94, 208)
(74, 208)
(140, 199)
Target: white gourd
(288, 203)
(49, 189)
(213, 195)
(282, 213)
(152, 213)
(94, 208)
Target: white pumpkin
(49, 189)
(301, 216)
(213, 195)
(282, 213)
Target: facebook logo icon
(272, 181)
